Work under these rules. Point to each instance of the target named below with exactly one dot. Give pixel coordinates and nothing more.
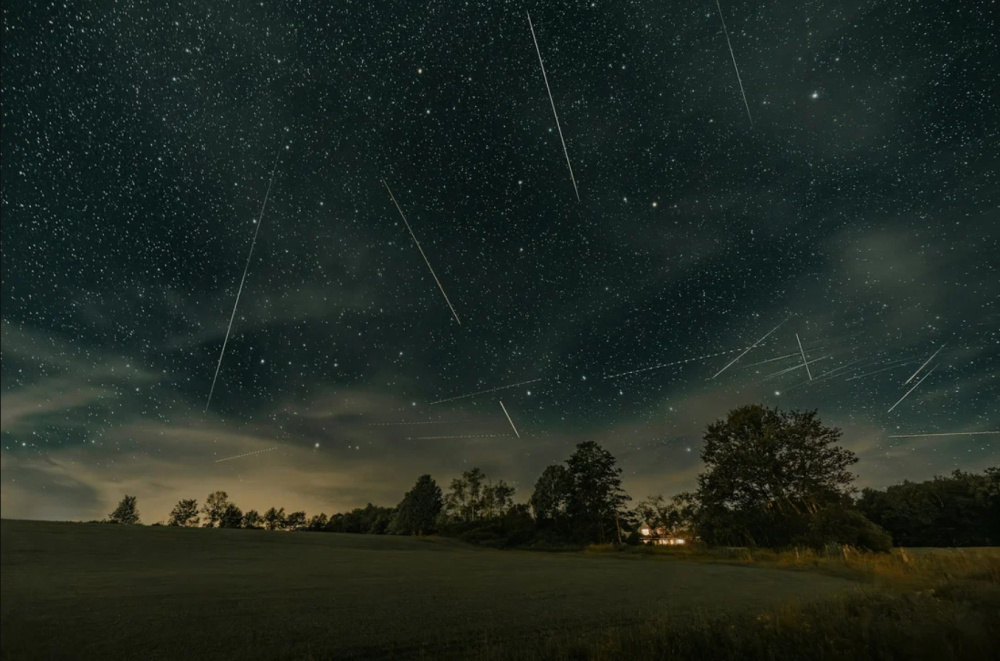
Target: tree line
(770, 479)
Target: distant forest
(770, 479)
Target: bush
(846, 526)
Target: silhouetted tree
(766, 472)
(464, 500)
(597, 499)
(232, 517)
(295, 521)
(551, 496)
(473, 499)
(126, 512)
(184, 514)
(252, 519)
(318, 522)
(962, 509)
(214, 508)
(274, 519)
(419, 508)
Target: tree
(551, 495)
(318, 522)
(464, 501)
(232, 517)
(597, 499)
(473, 499)
(766, 472)
(962, 509)
(214, 508)
(419, 508)
(295, 521)
(126, 512)
(498, 499)
(184, 514)
(252, 519)
(274, 519)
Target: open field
(114, 592)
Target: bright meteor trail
(924, 365)
(509, 420)
(922, 379)
(554, 113)
(246, 268)
(733, 55)
(427, 261)
(747, 350)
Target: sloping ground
(88, 591)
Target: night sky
(859, 211)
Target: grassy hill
(90, 591)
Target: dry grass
(902, 568)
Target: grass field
(79, 591)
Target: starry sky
(854, 211)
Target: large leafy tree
(596, 498)
(766, 472)
(126, 512)
(215, 508)
(184, 514)
(419, 508)
(551, 495)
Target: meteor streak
(747, 350)
(483, 392)
(390, 424)
(248, 454)
(732, 55)
(954, 433)
(924, 365)
(427, 261)
(676, 362)
(804, 361)
(896, 363)
(508, 419)
(793, 368)
(554, 113)
(922, 379)
(428, 438)
(239, 291)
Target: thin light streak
(924, 365)
(483, 392)
(804, 361)
(248, 454)
(733, 55)
(676, 362)
(509, 420)
(426, 261)
(246, 268)
(955, 433)
(896, 364)
(392, 424)
(554, 113)
(748, 349)
(922, 379)
(428, 438)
